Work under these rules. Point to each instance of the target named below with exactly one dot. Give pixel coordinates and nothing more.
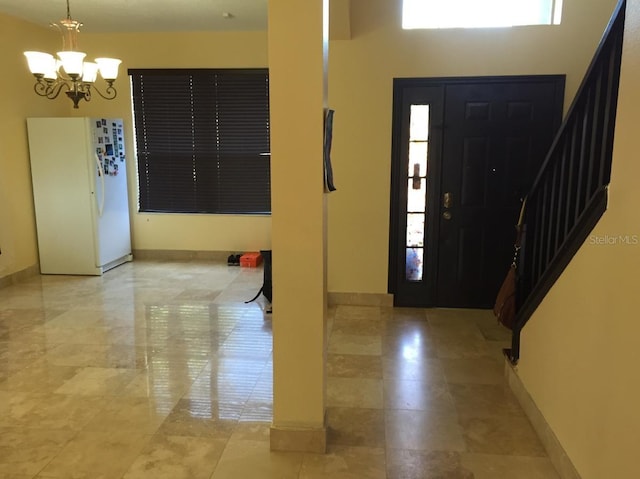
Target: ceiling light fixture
(69, 70)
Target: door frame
(435, 164)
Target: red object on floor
(251, 260)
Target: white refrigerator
(78, 172)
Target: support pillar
(298, 49)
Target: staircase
(569, 195)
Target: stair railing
(569, 195)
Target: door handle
(447, 199)
(101, 175)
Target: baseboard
(19, 276)
(312, 440)
(555, 451)
(360, 299)
(180, 255)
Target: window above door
(434, 14)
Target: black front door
(465, 153)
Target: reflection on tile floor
(158, 370)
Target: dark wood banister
(569, 194)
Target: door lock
(447, 200)
(446, 215)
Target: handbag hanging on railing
(505, 306)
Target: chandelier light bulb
(108, 67)
(40, 63)
(72, 62)
(89, 72)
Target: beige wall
(580, 355)
(361, 71)
(18, 241)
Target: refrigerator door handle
(101, 170)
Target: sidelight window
(417, 191)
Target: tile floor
(158, 370)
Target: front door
(465, 153)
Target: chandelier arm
(50, 90)
(109, 93)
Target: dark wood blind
(202, 138)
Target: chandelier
(69, 71)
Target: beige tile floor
(158, 370)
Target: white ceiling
(145, 15)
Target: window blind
(201, 139)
